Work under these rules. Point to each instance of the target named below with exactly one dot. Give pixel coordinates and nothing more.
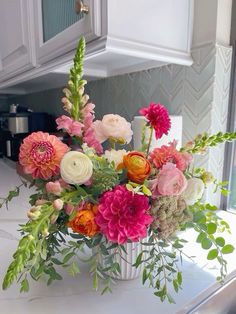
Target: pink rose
(54, 188)
(114, 126)
(171, 181)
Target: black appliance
(16, 126)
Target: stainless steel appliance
(16, 123)
(15, 126)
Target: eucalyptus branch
(11, 194)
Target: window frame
(231, 127)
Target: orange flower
(138, 167)
(41, 154)
(84, 222)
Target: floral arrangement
(88, 197)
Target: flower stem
(149, 141)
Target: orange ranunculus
(138, 167)
(84, 222)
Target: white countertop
(75, 295)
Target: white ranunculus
(194, 191)
(76, 168)
(115, 155)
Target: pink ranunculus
(113, 126)
(98, 131)
(123, 215)
(171, 181)
(54, 188)
(158, 117)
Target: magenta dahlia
(123, 215)
(158, 117)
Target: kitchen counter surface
(75, 295)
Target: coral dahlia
(123, 215)
(158, 117)
(41, 154)
(160, 156)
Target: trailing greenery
(32, 246)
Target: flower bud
(33, 215)
(45, 232)
(189, 145)
(40, 202)
(53, 218)
(58, 204)
(207, 177)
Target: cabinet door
(59, 27)
(16, 31)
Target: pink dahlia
(160, 156)
(41, 154)
(158, 117)
(123, 215)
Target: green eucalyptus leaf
(206, 243)
(212, 254)
(211, 228)
(227, 249)
(200, 237)
(179, 278)
(220, 241)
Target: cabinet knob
(80, 7)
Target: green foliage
(209, 225)
(31, 248)
(202, 142)
(105, 177)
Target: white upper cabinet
(122, 36)
(59, 24)
(16, 32)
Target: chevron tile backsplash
(199, 93)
